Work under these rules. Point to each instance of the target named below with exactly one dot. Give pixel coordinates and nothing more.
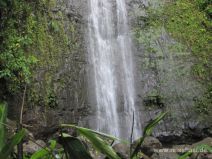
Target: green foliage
(52, 41)
(31, 40)
(41, 154)
(74, 148)
(3, 117)
(204, 104)
(190, 25)
(16, 60)
(147, 132)
(54, 26)
(99, 144)
(95, 132)
(47, 152)
(8, 147)
(3, 3)
(206, 6)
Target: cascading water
(110, 56)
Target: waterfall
(111, 60)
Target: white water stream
(110, 55)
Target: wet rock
(202, 154)
(165, 73)
(163, 155)
(123, 150)
(180, 149)
(149, 144)
(31, 147)
(206, 141)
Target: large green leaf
(45, 153)
(8, 148)
(149, 128)
(147, 131)
(99, 144)
(3, 116)
(74, 148)
(96, 132)
(41, 154)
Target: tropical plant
(147, 132)
(3, 112)
(103, 147)
(48, 152)
(99, 144)
(74, 147)
(16, 58)
(6, 148)
(9, 146)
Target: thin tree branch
(112, 142)
(132, 130)
(20, 145)
(22, 105)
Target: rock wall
(164, 80)
(58, 92)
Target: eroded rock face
(58, 92)
(163, 75)
(164, 78)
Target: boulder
(123, 150)
(30, 147)
(202, 155)
(195, 155)
(206, 141)
(150, 143)
(164, 155)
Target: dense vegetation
(71, 147)
(16, 39)
(32, 37)
(188, 22)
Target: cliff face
(163, 72)
(58, 90)
(166, 81)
